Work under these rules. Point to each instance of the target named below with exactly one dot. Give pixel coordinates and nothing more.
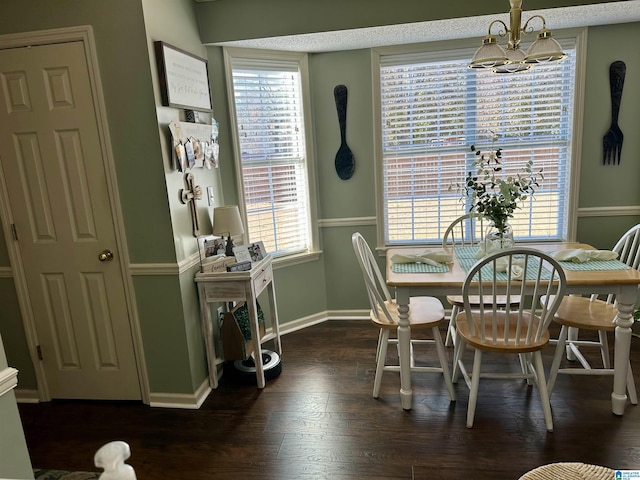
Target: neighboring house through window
(269, 104)
(432, 108)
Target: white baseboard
(320, 317)
(181, 400)
(27, 395)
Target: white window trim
(303, 61)
(580, 36)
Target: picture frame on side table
(211, 252)
(256, 251)
(184, 78)
(214, 246)
(241, 252)
(253, 252)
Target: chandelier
(491, 55)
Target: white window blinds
(433, 108)
(269, 124)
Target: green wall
(610, 185)
(14, 456)
(176, 313)
(343, 199)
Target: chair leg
(572, 336)
(383, 341)
(604, 348)
(380, 342)
(542, 387)
(444, 362)
(631, 386)
(525, 359)
(458, 351)
(451, 329)
(473, 391)
(557, 357)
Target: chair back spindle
(467, 230)
(525, 273)
(377, 291)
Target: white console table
(239, 287)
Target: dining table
(447, 279)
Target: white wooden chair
(424, 313)
(593, 314)
(520, 330)
(465, 231)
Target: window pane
(433, 108)
(269, 117)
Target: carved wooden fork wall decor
(612, 141)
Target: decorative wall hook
(189, 196)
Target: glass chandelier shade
(544, 49)
(516, 63)
(491, 55)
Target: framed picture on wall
(184, 78)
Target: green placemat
(466, 252)
(487, 270)
(595, 265)
(419, 268)
(467, 258)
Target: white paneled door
(52, 159)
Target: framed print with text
(184, 78)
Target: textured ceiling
(468, 27)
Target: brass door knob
(105, 256)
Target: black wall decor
(612, 141)
(345, 162)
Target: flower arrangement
(494, 195)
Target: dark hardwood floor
(317, 420)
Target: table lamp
(227, 221)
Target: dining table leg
(404, 349)
(624, 320)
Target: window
(268, 97)
(433, 108)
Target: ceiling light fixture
(491, 55)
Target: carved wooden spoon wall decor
(612, 141)
(345, 162)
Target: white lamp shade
(544, 49)
(489, 55)
(227, 221)
(516, 62)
